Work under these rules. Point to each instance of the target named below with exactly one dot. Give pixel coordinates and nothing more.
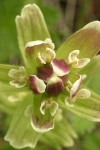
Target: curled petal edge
(83, 94)
(37, 85)
(17, 84)
(75, 87)
(82, 62)
(41, 127)
(60, 67)
(73, 56)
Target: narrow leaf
(4, 69)
(92, 70)
(62, 135)
(85, 40)
(20, 133)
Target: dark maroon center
(33, 85)
(44, 72)
(55, 88)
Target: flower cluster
(52, 75)
(50, 83)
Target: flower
(76, 92)
(19, 77)
(75, 62)
(51, 78)
(53, 82)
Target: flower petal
(73, 56)
(4, 69)
(83, 94)
(49, 41)
(82, 62)
(18, 83)
(47, 56)
(86, 40)
(44, 72)
(22, 70)
(53, 108)
(55, 86)
(41, 127)
(36, 45)
(69, 102)
(64, 78)
(20, 73)
(13, 73)
(68, 86)
(60, 67)
(19, 76)
(42, 107)
(49, 104)
(37, 85)
(75, 87)
(40, 59)
(31, 46)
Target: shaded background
(63, 17)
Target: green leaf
(20, 134)
(62, 135)
(4, 69)
(86, 108)
(8, 89)
(82, 125)
(92, 70)
(10, 97)
(91, 142)
(6, 105)
(85, 40)
(30, 26)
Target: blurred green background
(63, 17)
